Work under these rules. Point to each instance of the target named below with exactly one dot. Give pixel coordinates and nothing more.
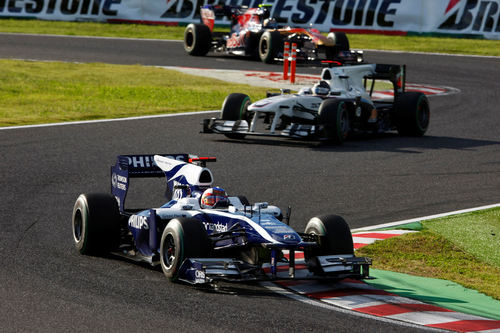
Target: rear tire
(334, 118)
(334, 238)
(182, 238)
(95, 223)
(412, 113)
(341, 43)
(235, 107)
(197, 39)
(270, 44)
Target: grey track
(47, 286)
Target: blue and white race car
(201, 236)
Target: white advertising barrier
(479, 18)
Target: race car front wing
(330, 267)
(241, 127)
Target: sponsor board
(398, 17)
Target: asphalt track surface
(46, 286)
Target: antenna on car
(288, 214)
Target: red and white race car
(255, 34)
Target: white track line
(109, 120)
(430, 217)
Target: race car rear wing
(135, 166)
(396, 74)
(185, 173)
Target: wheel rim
(343, 121)
(264, 47)
(189, 39)
(244, 113)
(169, 251)
(423, 116)
(77, 226)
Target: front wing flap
(208, 270)
(341, 265)
(241, 127)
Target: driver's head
(214, 197)
(264, 11)
(321, 88)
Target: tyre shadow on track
(387, 142)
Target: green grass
(477, 233)
(463, 249)
(46, 92)
(357, 41)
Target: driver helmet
(321, 88)
(214, 197)
(264, 11)
(270, 23)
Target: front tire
(333, 236)
(95, 223)
(412, 113)
(235, 107)
(270, 44)
(334, 118)
(197, 39)
(182, 238)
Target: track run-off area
(46, 285)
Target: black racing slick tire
(235, 107)
(341, 43)
(95, 223)
(333, 236)
(270, 44)
(197, 39)
(412, 114)
(334, 118)
(182, 238)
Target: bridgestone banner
(471, 18)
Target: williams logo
(472, 15)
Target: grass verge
(464, 249)
(47, 92)
(357, 41)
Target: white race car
(339, 105)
